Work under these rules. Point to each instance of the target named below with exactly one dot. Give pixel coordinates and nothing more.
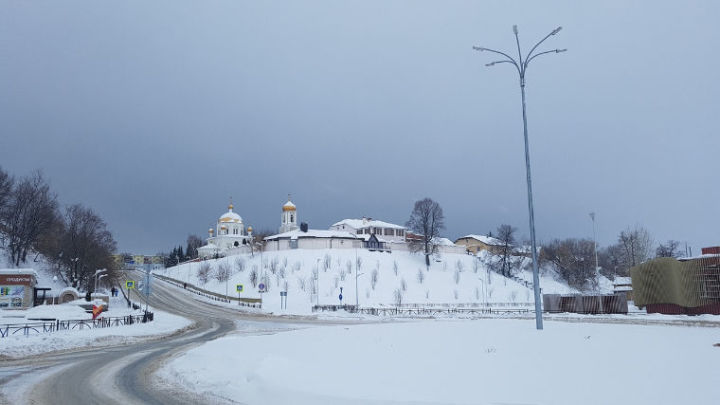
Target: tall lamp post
(521, 65)
(592, 216)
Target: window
(292, 218)
(389, 232)
(377, 231)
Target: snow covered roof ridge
(26, 271)
(313, 233)
(367, 222)
(488, 240)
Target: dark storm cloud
(154, 113)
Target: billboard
(11, 296)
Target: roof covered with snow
(23, 272)
(312, 233)
(622, 281)
(444, 242)
(488, 240)
(367, 222)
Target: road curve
(124, 374)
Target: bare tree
(29, 212)
(636, 244)
(426, 220)
(420, 276)
(223, 272)
(506, 260)
(6, 188)
(254, 276)
(669, 249)
(398, 297)
(573, 260)
(203, 273)
(193, 243)
(87, 245)
(374, 278)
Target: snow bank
(459, 362)
(20, 346)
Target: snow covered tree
(426, 221)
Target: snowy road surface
(124, 374)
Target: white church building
(229, 235)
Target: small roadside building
(17, 288)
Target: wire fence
(49, 326)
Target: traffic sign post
(340, 296)
(129, 284)
(239, 288)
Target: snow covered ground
(460, 362)
(36, 343)
(454, 280)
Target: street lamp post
(96, 278)
(592, 216)
(521, 67)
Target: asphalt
(125, 374)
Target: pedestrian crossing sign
(129, 284)
(239, 288)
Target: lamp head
(515, 29)
(556, 30)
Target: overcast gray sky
(154, 113)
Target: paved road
(123, 374)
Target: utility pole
(521, 66)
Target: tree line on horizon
(75, 241)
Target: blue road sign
(261, 286)
(340, 297)
(239, 288)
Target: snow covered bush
(240, 264)
(203, 273)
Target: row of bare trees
(75, 241)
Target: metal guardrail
(28, 328)
(247, 302)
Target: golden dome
(249, 228)
(286, 208)
(230, 207)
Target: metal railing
(433, 311)
(247, 302)
(49, 326)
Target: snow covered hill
(385, 279)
